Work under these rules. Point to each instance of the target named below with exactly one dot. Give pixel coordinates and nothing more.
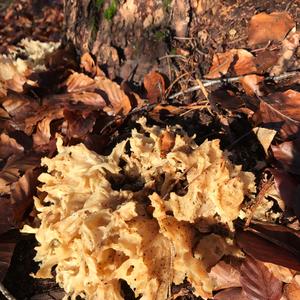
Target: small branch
(211, 82)
(6, 293)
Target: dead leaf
(251, 83)
(288, 188)
(114, 95)
(231, 294)
(265, 27)
(22, 193)
(89, 65)
(79, 124)
(280, 111)
(282, 273)
(236, 61)
(265, 136)
(292, 290)
(14, 165)
(225, 276)
(7, 246)
(9, 146)
(258, 282)
(260, 248)
(155, 86)
(288, 154)
(78, 81)
(265, 60)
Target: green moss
(110, 12)
(166, 4)
(99, 3)
(160, 35)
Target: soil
(222, 25)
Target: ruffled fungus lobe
(122, 216)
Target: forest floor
(235, 78)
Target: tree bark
(127, 37)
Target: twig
(211, 82)
(172, 56)
(6, 293)
(259, 199)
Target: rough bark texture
(131, 37)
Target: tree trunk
(127, 37)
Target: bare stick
(211, 82)
(6, 293)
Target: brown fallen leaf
(280, 111)
(7, 246)
(238, 60)
(258, 282)
(265, 136)
(265, 27)
(114, 95)
(78, 81)
(89, 65)
(10, 173)
(282, 273)
(155, 86)
(260, 248)
(9, 146)
(79, 124)
(251, 84)
(288, 154)
(292, 290)
(225, 276)
(236, 293)
(288, 188)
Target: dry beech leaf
(79, 124)
(78, 81)
(14, 165)
(7, 246)
(9, 146)
(292, 290)
(231, 294)
(288, 154)
(89, 65)
(265, 27)
(155, 86)
(280, 111)
(288, 188)
(258, 282)
(261, 248)
(251, 83)
(114, 95)
(22, 193)
(282, 273)
(3, 112)
(238, 60)
(265, 60)
(88, 98)
(265, 136)
(225, 276)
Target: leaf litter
(175, 203)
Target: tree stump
(127, 37)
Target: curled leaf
(155, 86)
